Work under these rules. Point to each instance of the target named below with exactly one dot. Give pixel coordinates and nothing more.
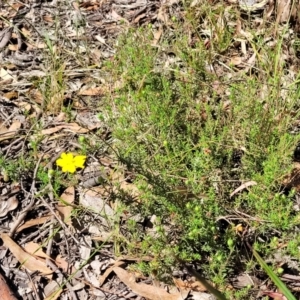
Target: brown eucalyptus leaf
(5, 292)
(73, 127)
(109, 270)
(27, 260)
(35, 249)
(65, 206)
(33, 222)
(9, 205)
(148, 291)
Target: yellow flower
(69, 163)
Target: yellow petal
(69, 168)
(79, 161)
(60, 162)
(67, 156)
(63, 155)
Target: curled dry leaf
(27, 260)
(6, 206)
(148, 291)
(242, 187)
(109, 270)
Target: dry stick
(68, 269)
(7, 148)
(59, 220)
(33, 235)
(33, 286)
(30, 205)
(54, 267)
(5, 36)
(50, 243)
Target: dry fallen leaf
(63, 207)
(6, 34)
(114, 15)
(163, 16)
(95, 199)
(36, 96)
(48, 18)
(64, 265)
(68, 195)
(35, 250)
(25, 106)
(109, 270)
(129, 188)
(27, 260)
(73, 127)
(25, 32)
(33, 222)
(55, 295)
(283, 11)
(11, 95)
(9, 205)
(275, 295)
(236, 60)
(97, 91)
(148, 291)
(195, 286)
(5, 292)
(242, 187)
(5, 75)
(9, 133)
(156, 36)
(13, 47)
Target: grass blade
(209, 287)
(280, 285)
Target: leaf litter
(23, 79)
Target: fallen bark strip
(5, 291)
